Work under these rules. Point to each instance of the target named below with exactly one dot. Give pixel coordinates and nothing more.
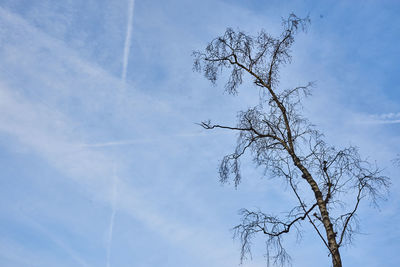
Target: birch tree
(328, 183)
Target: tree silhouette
(328, 183)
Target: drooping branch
(272, 226)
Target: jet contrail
(127, 44)
(114, 210)
(117, 143)
(144, 140)
(125, 58)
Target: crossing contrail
(125, 59)
(127, 44)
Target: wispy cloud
(57, 241)
(388, 116)
(388, 121)
(46, 132)
(385, 118)
(50, 133)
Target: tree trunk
(336, 260)
(330, 234)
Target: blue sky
(102, 162)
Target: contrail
(114, 210)
(127, 44)
(117, 143)
(125, 58)
(144, 140)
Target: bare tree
(328, 183)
